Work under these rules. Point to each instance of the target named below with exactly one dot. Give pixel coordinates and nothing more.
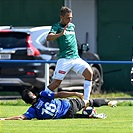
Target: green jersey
(67, 43)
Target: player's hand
(64, 30)
(80, 95)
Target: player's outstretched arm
(65, 94)
(51, 36)
(21, 117)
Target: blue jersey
(47, 107)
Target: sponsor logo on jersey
(61, 72)
(69, 32)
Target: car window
(51, 44)
(12, 39)
(48, 44)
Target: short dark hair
(65, 10)
(27, 97)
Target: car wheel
(96, 81)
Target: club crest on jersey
(62, 72)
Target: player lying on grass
(52, 105)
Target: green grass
(113, 95)
(119, 120)
(18, 102)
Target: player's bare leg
(54, 84)
(88, 75)
(102, 102)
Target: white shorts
(64, 65)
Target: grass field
(119, 120)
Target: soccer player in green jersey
(63, 32)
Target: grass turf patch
(119, 120)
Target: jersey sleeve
(54, 29)
(30, 114)
(47, 94)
